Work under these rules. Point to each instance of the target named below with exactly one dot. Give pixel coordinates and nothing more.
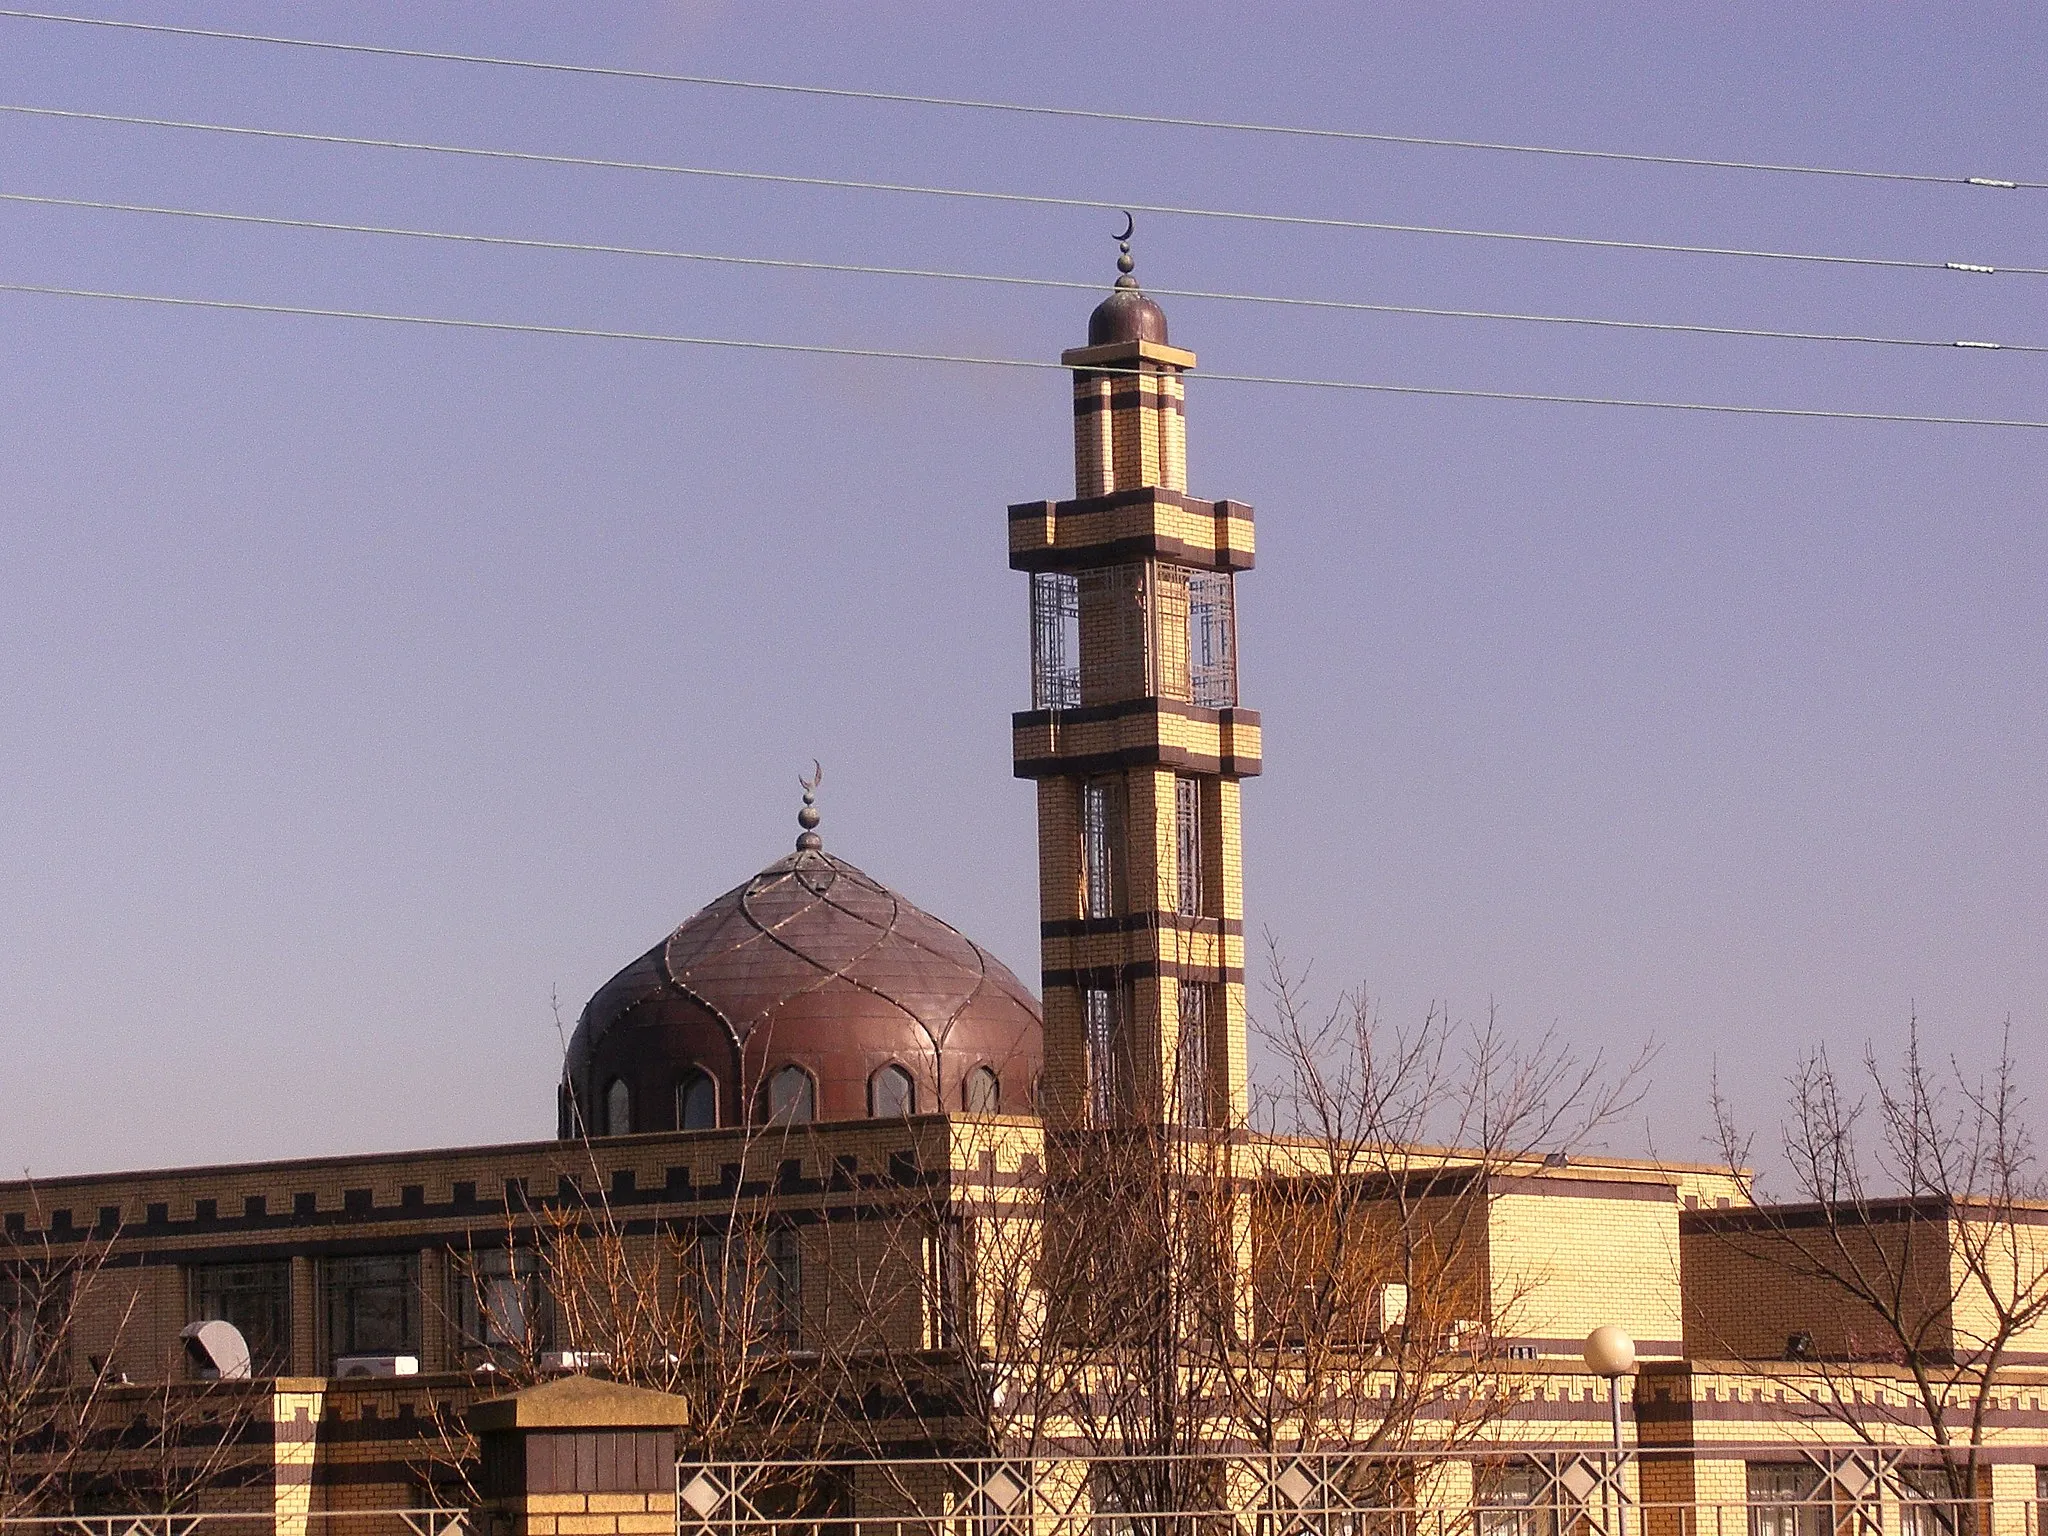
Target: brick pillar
(579, 1457)
(434, 1350)
(2011, 1492)
(295, 1409)
(305, 1318)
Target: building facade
(828, 1175)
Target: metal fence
(268, 1522)
(1566, 1493)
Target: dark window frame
(618, 1096)
(803, 1110)
(209, 1289)
(982, 1072)
(694, 1078)
(350, 1288)
(898, 1079)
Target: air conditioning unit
(216, 1351)
(575, 1360)
(346, 1366)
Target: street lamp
(1612, 1353)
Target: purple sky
(361, 687)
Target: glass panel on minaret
(1192, 1069)
(1099, 1018)
(1187, 828)
(1101, 837)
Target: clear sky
(363, 688)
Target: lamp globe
(1610, 1352)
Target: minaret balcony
(1143, 732)
(1148, 522)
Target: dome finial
(808, 840)
(1125, 266)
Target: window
(1128, 631)
(498, 1305)
(33, 1308)
(697, 1102)
(1187, 837)
(717, 1287)
(1101, 836)
(1516, 1498)
(945, 1286)
(1127, 1495)
(257, 1299)
(1212, 640)
(748, 1288)
(1192, 1088)
(1169, 657)
(568, 1119)
(792, 1098)
(1928, 1505)
(618, 1108)
(982, 1093)
(373, 1305)
(785, 1286)
(1055, 640)
(1102, 1028)
(891, 1093)
(1785, 1499)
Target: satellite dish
(216, 1350)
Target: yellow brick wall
(1092, 449)
(1996, 1271)
(1562, 1266)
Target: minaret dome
(1126, 315)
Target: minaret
(1138, 745)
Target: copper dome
(1126, 315)
(809, 964)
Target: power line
(817, 349)
(966, 103)
(584, 247)
(537, 157)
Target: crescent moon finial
(807, 818)
(1124, 264)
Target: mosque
(811, 1082)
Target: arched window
(696, 1101)
(792, 1098)
(568, 1122)
(618, 1109)
(982, 1093)
(891, 1093)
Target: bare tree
(1916, 1238)
(1377, 1309)
(1147, 1292)
(710, 1308)
(47, 1410)
(75, 1432)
